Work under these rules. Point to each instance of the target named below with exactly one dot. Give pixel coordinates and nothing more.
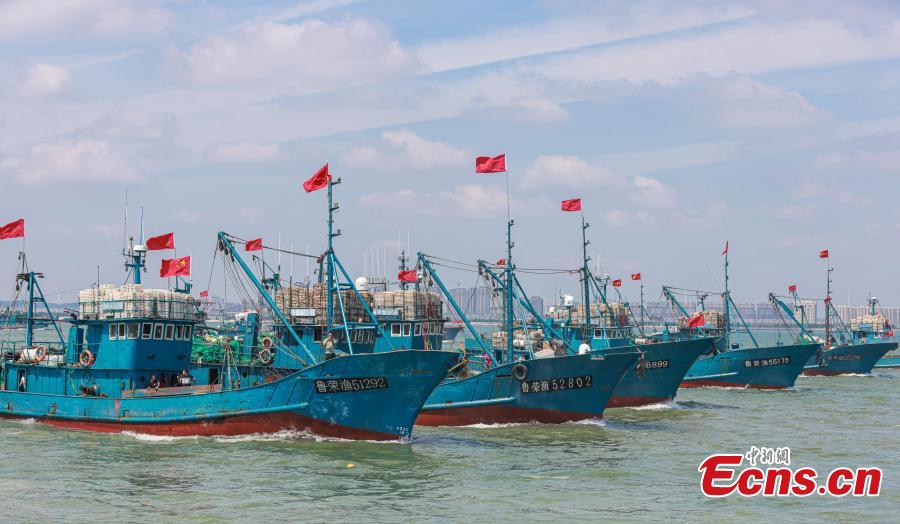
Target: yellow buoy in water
(351, 466)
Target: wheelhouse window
(317, 334)
(418, 330)
(113, 332)
(170, 331)
(179, 332)
(134, 330)
(157, 331)
(146, 330)
(395, 330)
(187, 332)
(122, 329)
(598, 333)
(406, 330)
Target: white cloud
(81, 160)
(405, 148)
(739, 101)
(568, 171)
(310, 54)
(242, 152)
(751, 48)
(26, 18)
(44, 79)
(590, 27)
(478, 200)
(653, 193)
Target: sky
(774, 126)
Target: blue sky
(773, 125)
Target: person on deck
(154, 383)
(186, 379)
(328, 344)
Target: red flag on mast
(617, 282)
(15, 229)
(792, 288)
(725, 251)
(823, 253)
(635, 276)
(319, 180)
(573, 204)
(697, 320)
(176, 267)
(253, 245)
(166, 241)
(501, 262)
(410, 275)
(204, 294)
(487, 164)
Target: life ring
(86, 358)
(266, 342)
(40, 353)
(520, 372)
(265, 355)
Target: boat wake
(665, 404)
(591, 422)
(155, 439)
(279, 436)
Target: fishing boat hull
(775, 367)
(849, 359)
(370, 396)
(665, 365)
(553, 390)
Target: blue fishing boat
(854, 350)
(733, 364)
(607, 327)
(126, 366)
(513, 384)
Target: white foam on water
(665, 404)
(498, 425)
(155, 439)
(26, 421)
(591, 422)
(292, 434)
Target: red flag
(635, 276)
(823, 253)
(14, 229)
(573, 204)
(176, 267)
(409, 275)
(501, 262)
(318, 181)
(166, 241)
(792, 288)
(697, 320)
(253, 245)
(617, 282)
(204, 294)
(827, 300)
(725, 251)
(487, 164)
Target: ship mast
(727, 300)
(585, 273)
(402, 258)
(828, 301)
(329, 254)
(509, 291)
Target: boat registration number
(763, 362)
(656, 364)
(848, 356)
(556, 384)
(349, 385)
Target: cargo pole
(585, 273)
